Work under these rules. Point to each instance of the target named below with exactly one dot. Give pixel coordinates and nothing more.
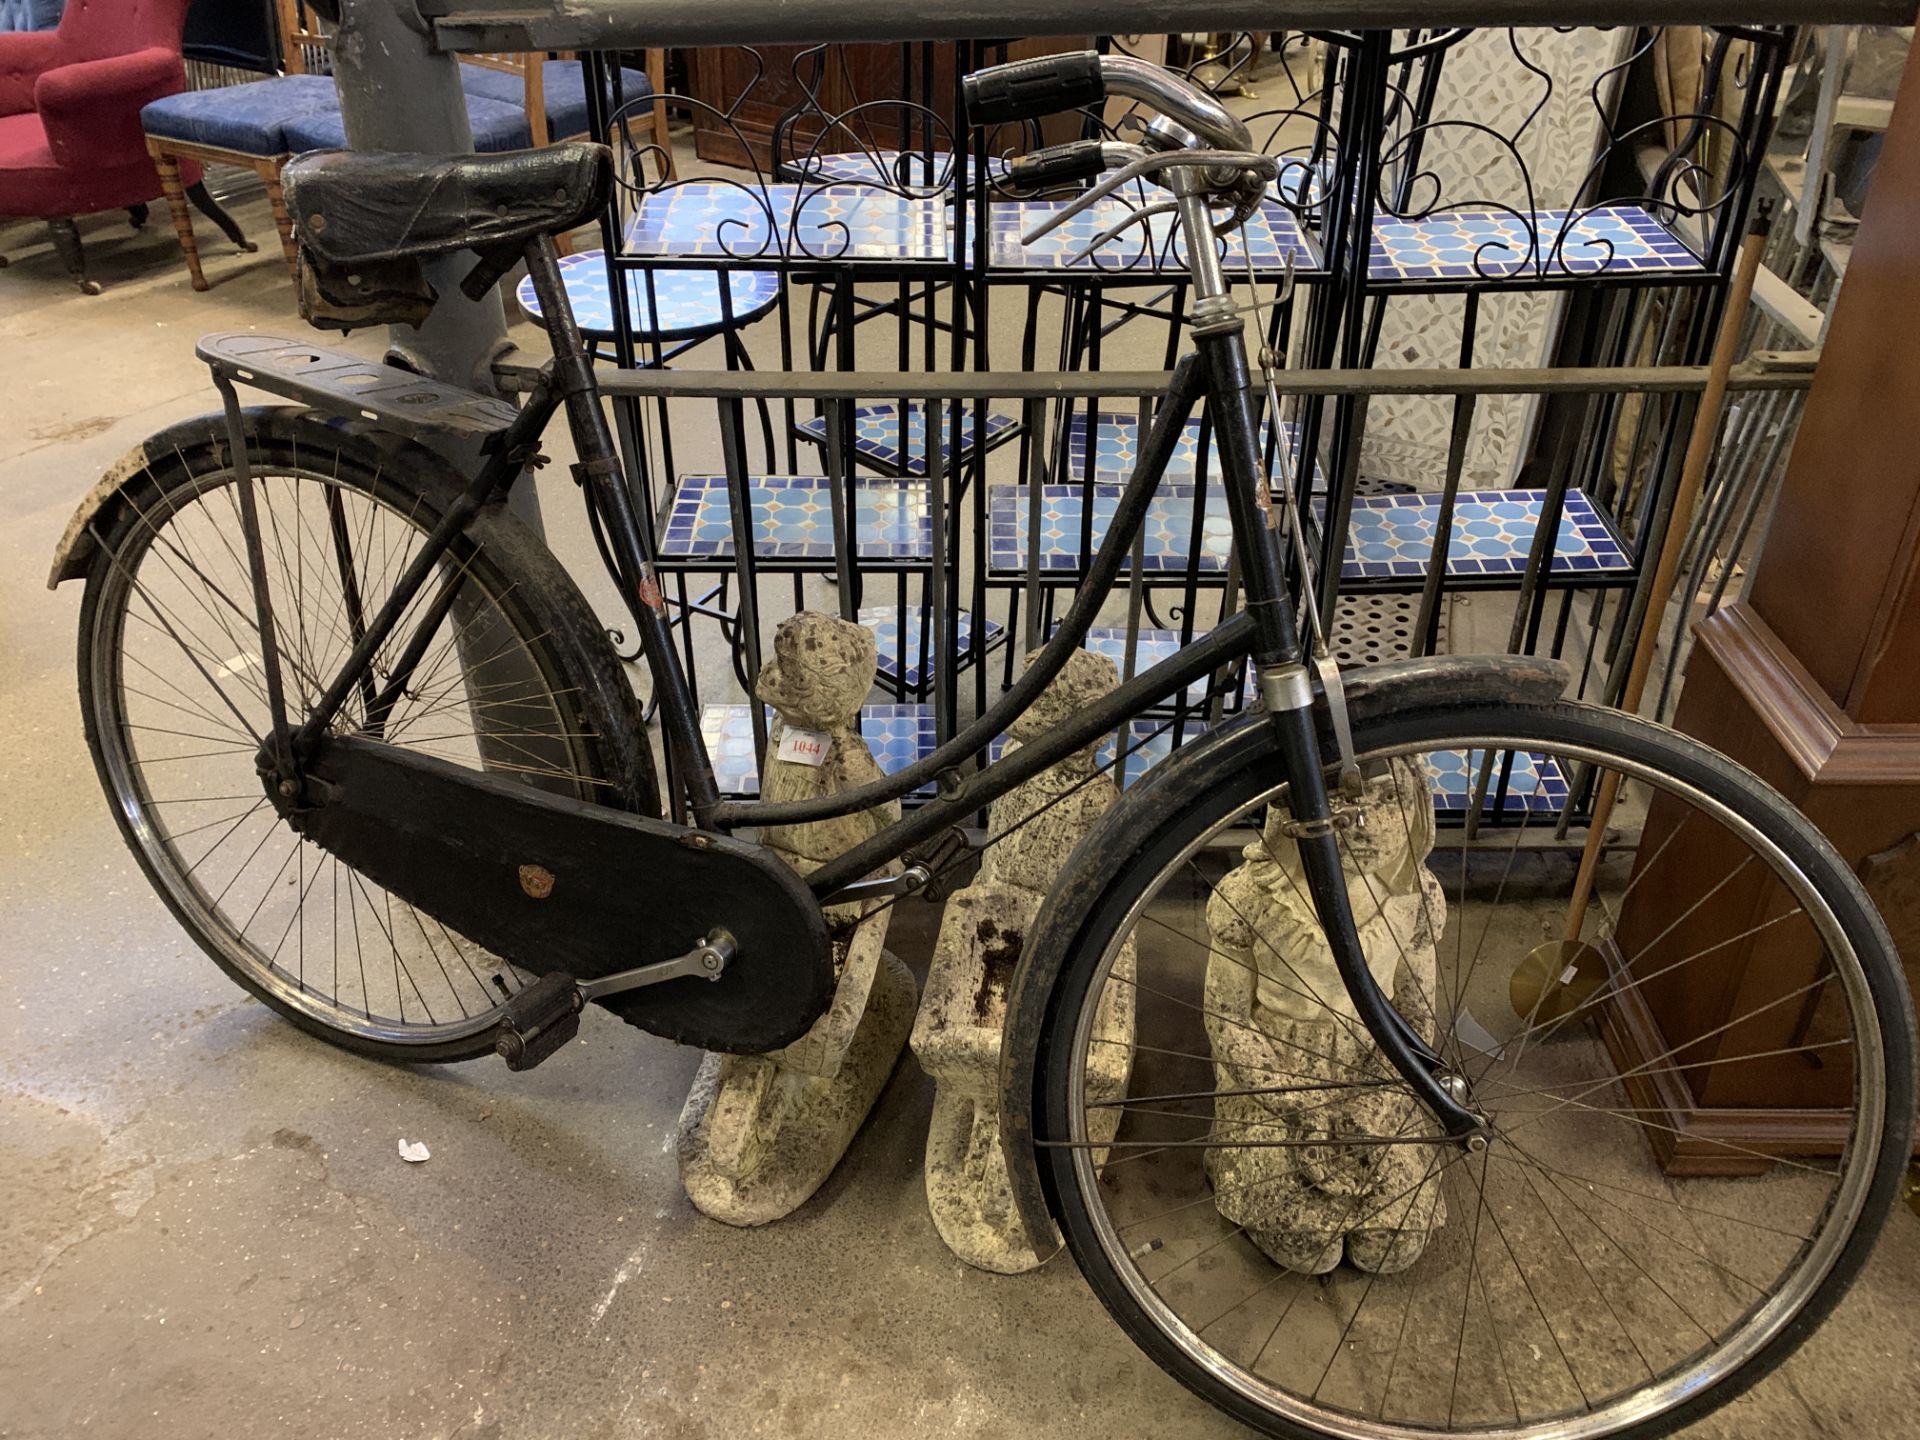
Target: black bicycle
(370, 744)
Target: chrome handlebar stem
(1176, 97)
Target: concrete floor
(204, 1225)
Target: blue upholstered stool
(260, 124)
(689, 301)
(30, 14)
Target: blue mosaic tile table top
(689, 301)
(876, 434)
(896, 734)
(889, 622)
(908, 169)
(796, 222)
(1167, 529)
(1610, 240)
(1391, 536)
(1534, 784)
(1116, 446)
(1271, 234)
(793, 519)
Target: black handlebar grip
(1029, 89)
(1057, 164)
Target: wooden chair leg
(169, 168)
(661, 137)
(270, 177)
(204, 202)
(66, 242)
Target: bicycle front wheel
(1697, 1114)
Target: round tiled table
(689, 302)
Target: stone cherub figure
(760, 1133)
(1278, 1016)
(985, 925)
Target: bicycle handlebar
(1059, 164)
(1029, 89)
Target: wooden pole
(1693, 474)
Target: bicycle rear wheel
(1269, 1213)
(518, 678)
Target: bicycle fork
(1282, 663)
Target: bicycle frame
(1266, 631)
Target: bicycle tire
(403, 486)
(1235, 776)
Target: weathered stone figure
(760, 1133)
(1279, 1016)
(957, 1035)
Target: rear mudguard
(74, 554)
(1168, 790)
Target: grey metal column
(398, 93)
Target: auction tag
(803, 747)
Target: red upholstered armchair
(70, 136)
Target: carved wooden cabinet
(757, 87)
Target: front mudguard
(1168, 791)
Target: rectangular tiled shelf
(1270, 235)
(1535, 783)
(1168, 528)
(1391, 536)
(887, 622)
(1609, 240)
(716, 220)
(793, 519)
(1116, 446)
(876, 435)
(908, 170)
(897, 735)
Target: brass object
(1555, 979)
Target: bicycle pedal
(538, 1021)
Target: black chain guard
(555, 885)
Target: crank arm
(910, 881)
(706, 961)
